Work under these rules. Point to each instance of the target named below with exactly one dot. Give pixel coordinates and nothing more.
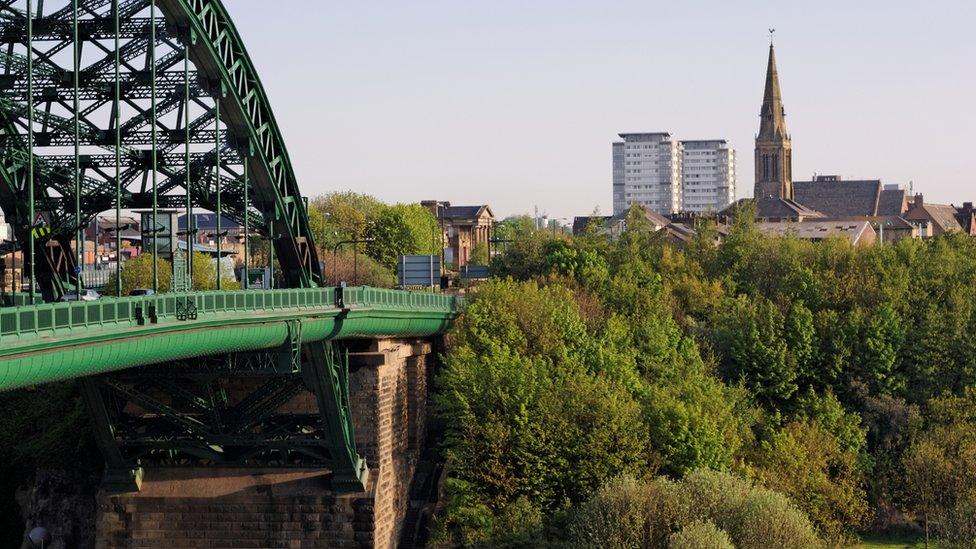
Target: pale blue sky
(515, 104)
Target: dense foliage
(138, 273)
(704, 509)
(386, 231)
(839, 377)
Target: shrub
(700, 535)
(704, 505)
(753, 516)
(626, 512)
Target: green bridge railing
(55, 318)
(365, 296)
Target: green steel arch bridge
(116, 105)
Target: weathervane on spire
(771, 33)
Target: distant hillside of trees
(628, 393)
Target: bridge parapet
(56, 341)
(56, 318)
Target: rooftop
(819, 229)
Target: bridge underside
(266, 409)
(265, 504)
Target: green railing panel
(109, 313)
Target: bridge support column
(274, 507)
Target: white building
(671, 176)
(707, 175)
(647, 170)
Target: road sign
(474, 272)
(419, 270)
(77, 269)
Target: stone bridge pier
(294, 508)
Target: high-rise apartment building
(669, 176)
(707, 175)
(647, 170)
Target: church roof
(892, 202)
(773, 114)
(839, 198)
(772, 208)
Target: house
(773, 209)
(616, 224)
(859, 233)
(932, 219)
(966, 217)
(463, 228)
(206, 227)
(890, 228)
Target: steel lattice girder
(207, 37)
(222, 70)
(222, 411)
(218, 51)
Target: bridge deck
(56, 341)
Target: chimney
(918, 200)
(433, 205)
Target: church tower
(774, 160)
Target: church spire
(773, 114)
(774, 155)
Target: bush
(753, 516)
(661, 513)
(700, 535)
(357, 271)
(626, 512)
(137, 273)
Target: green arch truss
(165, 111)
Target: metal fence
(53, 318)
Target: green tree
(534, 409)
(341, 216)
(138, 273)
(752, 339)
(479, 254)
(402, 229)
(940, 464)
(819, 460)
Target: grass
(893, 541)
